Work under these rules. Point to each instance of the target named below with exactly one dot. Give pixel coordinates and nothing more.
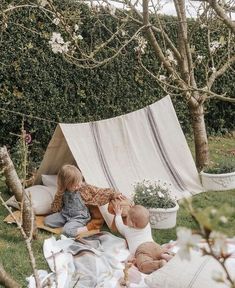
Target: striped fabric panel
(100, 152)
(198, 272)
(177, 180)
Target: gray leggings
(69, 226)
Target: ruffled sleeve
(93, 195)
(57, 203)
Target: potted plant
(220, 176)
(156, 197)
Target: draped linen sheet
(98, 261)
(120, 151)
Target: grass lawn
(13, 253)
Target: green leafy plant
(154, 194)
(225, 166)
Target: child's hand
(119, 196)
(117, 209)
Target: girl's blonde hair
(67, 176)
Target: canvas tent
(120, 151)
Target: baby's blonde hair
(139, 216)
(67, 176)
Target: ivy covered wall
(36, 82)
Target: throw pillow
(41, 197)
(49, 180)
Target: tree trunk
(200, 136)
(12, 179)
(14, 184)
(6, 280)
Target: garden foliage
(37, 82)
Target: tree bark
(12, 179)
(6, 280)
(14, 184)
(200, 136)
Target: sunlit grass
(13, 253)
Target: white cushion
(177, 273)
(49, 180)
(41, 197)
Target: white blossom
(75, 36)
(219, 242)
(147, 185)
(170, 57)
(218, 276)
(123, 33)
(213, 211)
(203, 25)
(213, 69)
(43, 3)
(223, 219)
(56, 21)
(162, 77)
(57, 38)
(142, 44)
(112, 9)
(214, 46)
(186, 240)
(57, 43)
(160, 194)
(200, 58)
(76, 27)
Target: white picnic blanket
(76, 265)
(98, 262)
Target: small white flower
(162, 77)
(123, 33)
(170, 57)
(214, 46)
(203, 25)
(142, 44)
(219, 242)
(147, 185)
(57, 38)
(75, 36)
(80, 37)
(213, 211)
(223, 219)
(56, 21)
(160, 194)
(112, 9)
(43, 3)
(218, 276)
(186, 240)
(200, 58)
(76, 27)
(213, 69)
(57, 43)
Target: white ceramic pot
(161, 218)
(218, 182)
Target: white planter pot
(218, 182)
(161, 218)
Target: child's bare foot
(167, 256)
(162, 262)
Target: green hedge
(37, 82)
